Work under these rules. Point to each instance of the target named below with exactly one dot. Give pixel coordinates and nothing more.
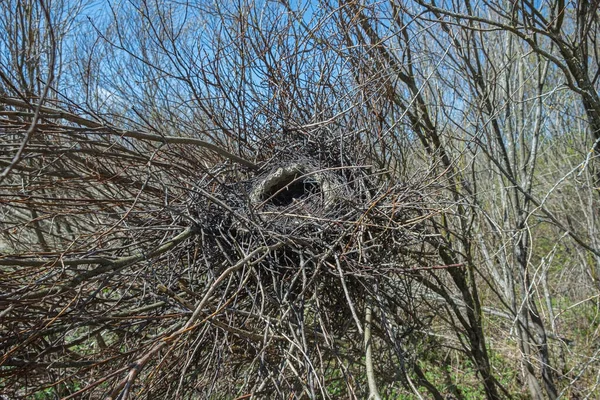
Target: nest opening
(286, 188)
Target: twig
(108, 266)
(101, 129)
(347, 294)
(373, 392)
(33, 127)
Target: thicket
(274, 199)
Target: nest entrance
(290, 186)
(287, 184)
(292, 195)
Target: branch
(33, 127)
(373, 392)
(106, 265)
(50, 112)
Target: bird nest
(329, 234)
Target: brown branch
(102, 129)
(106, 265)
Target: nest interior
(286, 185)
